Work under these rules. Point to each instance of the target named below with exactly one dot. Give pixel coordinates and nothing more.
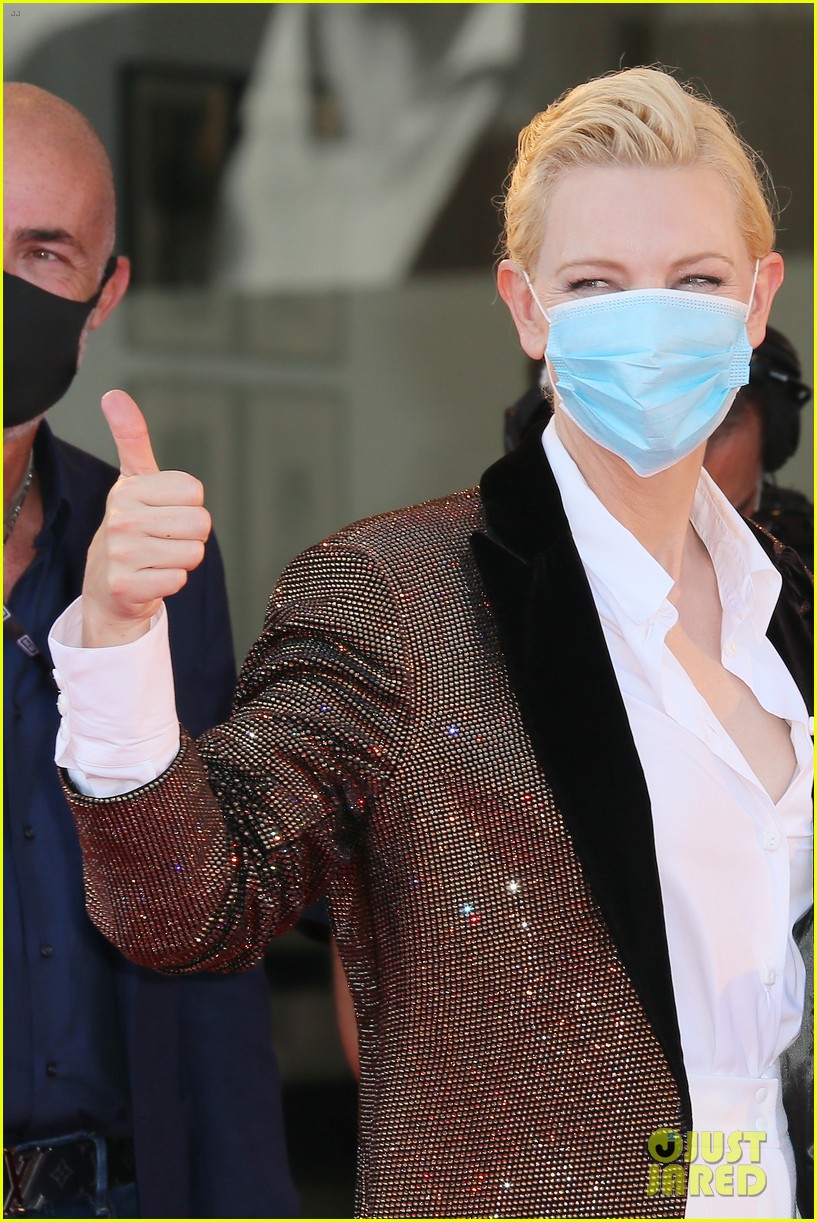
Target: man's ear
(112, 293)
(769, 280)
(531, 326)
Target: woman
(533, 738)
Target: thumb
(130, 434)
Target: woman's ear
(769, 279)
(531, 325)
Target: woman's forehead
(639, 207)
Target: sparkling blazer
(430, 728)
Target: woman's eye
(589, 286)
(701, 282)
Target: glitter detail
(507, 1066)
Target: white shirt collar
(633, 579)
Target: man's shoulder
(86, 479)
(76, 460)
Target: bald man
(121, 1087)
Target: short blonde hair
(641, 117)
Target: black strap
(14, 630)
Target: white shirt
(108, 745)
(734, 867)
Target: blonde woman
(544, 742)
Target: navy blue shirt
(64, 1058)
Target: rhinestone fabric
(376, 751)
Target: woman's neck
(654, 509)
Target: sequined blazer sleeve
(204, 865)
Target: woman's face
(612, 228)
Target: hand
(151, 537)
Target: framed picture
(179, 126)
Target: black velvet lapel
(574, 713)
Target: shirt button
(62, 704)
(768, 976)
(762, 1095)
(730, 648)
(771, 841)
(46, 950)
(811, 726)
(51, 1069)
(28, 832)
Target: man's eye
(44, 256)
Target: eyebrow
(48, 235)
(615, 265)
(590, 261)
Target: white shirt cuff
(119, 727)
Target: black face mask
(41, 334)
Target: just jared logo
(705, 1164)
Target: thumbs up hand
(151, 537)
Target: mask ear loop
(754, 286)
(528, 282)
(546, 375)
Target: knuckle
(192, 489)
(118, 546)
(176, 580)
(117, 524)
(123, 518)
(118, 587)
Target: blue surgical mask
(649, 374)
